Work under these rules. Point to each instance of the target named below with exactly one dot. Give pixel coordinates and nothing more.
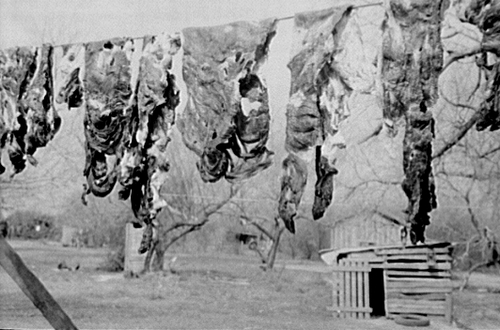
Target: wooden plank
(335, 293)
(354, 299)
(419, 290)
(418, 273)
(365, 257)
(449, 308)
(359, 290)
(416, 303)
(417, 265)
(418, 279)
(410, 250)
(33, 288)
(419, 283)
(438, 257)
(355, 309)
(384, 275)
(416, 310)
(349, 268)
(342, 291)
(420, 296)
(366, 291)
(348, 290)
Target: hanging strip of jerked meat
(293, 183)
(128, 121)
(412, 58)
(70, 68)
(320, 88)
(109, 108)
(485, 14)
(226, 120)
(145, 165)
(28, 119)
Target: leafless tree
(270, 228)
(190, 205)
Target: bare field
(206, 292)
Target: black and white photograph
(237, 164)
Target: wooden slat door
(351, 290)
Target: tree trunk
(274, 249)
(159, 258)
(149, 256)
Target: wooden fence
(351, 291)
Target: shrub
(32, 225)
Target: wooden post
(348, 301)
(359, 292)
(342, 292)
(352, 275)
(366, 290)
(33, 288)
(449, 308)
(335, 294)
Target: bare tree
(271, 231)
(190, 205)
(184, 223)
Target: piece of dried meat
(226, 120)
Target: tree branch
(389, 218)
(258, 225)
(469, 273)
(212, 208)
(457, 104)
(489, 152)
(204, 214)
(455, 57)
(458, 135)
(194, 227)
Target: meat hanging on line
(28, 120)
(486, 16)
(320, 89)
(412, 59)
(127, 123)
(226, 120)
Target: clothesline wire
(353, 7)
(260, 200)
(278, 19)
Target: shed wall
(366, 232)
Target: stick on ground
(33, 288)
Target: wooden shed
(367, 230)
(391, 280)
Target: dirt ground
(207, 292)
